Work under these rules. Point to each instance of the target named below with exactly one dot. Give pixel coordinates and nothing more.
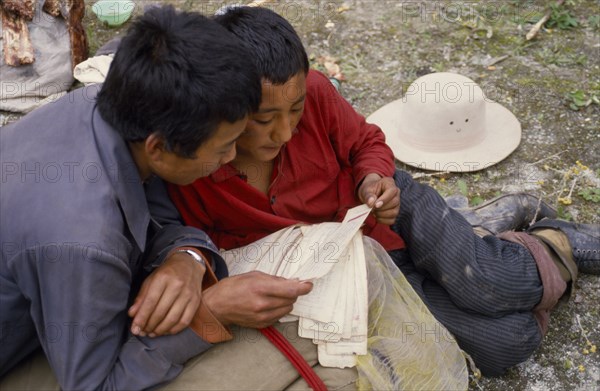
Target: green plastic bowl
(114, 12)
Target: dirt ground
(382, 46)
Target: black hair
(276, 48)
(178, 74)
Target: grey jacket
(76, 241)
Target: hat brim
(502, 137)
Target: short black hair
(277, 50)
(178, 74)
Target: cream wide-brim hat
(444, 122)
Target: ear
(154, 145)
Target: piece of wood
(22, 8)
(52, 7)
(538, 26)
(497, 60)
(73, 11)
(18, 49)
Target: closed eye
(298, 106)
(263, 122)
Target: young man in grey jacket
(86, 273)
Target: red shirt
(314, 178)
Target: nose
(229, 156)
(282, 132)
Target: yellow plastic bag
(408, 349)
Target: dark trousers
(481, 289)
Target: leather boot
(509, 212)
(583, 239)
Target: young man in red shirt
(307, 156)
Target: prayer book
(331, 255)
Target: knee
(506, 348)
(403, 179)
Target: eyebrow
(271, 109)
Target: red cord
(286, 348)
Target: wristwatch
(194, 255)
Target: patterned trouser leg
(481, 289)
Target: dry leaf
(343, 8)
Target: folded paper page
(331, 255)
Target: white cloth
(93, 70)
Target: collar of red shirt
(225, 172)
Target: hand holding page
(334, 313)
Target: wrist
(201, 263)
(372, 177)
(193, 253)
(209, 278)
(208, 299)
(208, 325)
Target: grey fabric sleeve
(80, 311)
